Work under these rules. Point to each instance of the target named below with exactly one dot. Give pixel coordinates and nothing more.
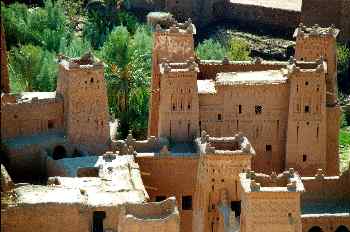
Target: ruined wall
(270, 211)
(209, 69)
(155, 216)
(266, 130)
(170, 176)
(33, 117)
(248, 14)
(85, 103)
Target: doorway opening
(98, 217)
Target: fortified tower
(82, 85)
(306, 133)
(311, 44)
(174, 84)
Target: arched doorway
(342, 229)
(316, 229)
(59, 152)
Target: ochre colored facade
(214, 128)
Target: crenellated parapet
(303, 31)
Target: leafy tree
(128, 60)
(238, 49)
(343, 54)
(44, 27)
(76, 48)
(32, 69)
(210, 50)
(103, 16)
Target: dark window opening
(258, 109)
(160, 198)
(59, 152)
(306, 83)
(307, 109)
(304, 158)
(219, 117)
(92, 80)
(268, 147)
(297, 88)
(240, 109)
(318, 89)
(50, 124)
(189, 106)
(307, 123)
(98, 217)
(15, 116)
(186, 202)
(316, 229)
(181, 106)
(302, 58)
(317, 132)
(174, 107)
(236, 206)
(342, 229)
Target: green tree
(343, 54)
(128, 60)
(32, 69)
(44, 27)
(76, 48)
(102, 17)
(210, 50)
(238, 49)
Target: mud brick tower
(81, 83)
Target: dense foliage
(343, 54)
(236, 49)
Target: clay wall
(270, 211)
(155, 216)
(209, 69)
(333, 127)
(56, 217)
(216, 174)
(170, 176)
(328, 223)
(328, 188)
(279, 18)
(24, 119)
(178, 112)
(266, 131)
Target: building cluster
(232, 146)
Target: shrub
(239, 49)
(32, 69)
(210, 50)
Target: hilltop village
(243, 146)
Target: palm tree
(128, 70)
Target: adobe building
(219, 132)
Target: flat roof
(206, 87)
(251, 78)
(325, 208)
(119, 182)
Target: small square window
(186, 202)
(219, 117)
(268, 147)
(160, 198)
(304, 158)
(50, 124)
(258, 109)
(307, 109)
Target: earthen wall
(170, 176)
(25, 119)
(266, 131)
